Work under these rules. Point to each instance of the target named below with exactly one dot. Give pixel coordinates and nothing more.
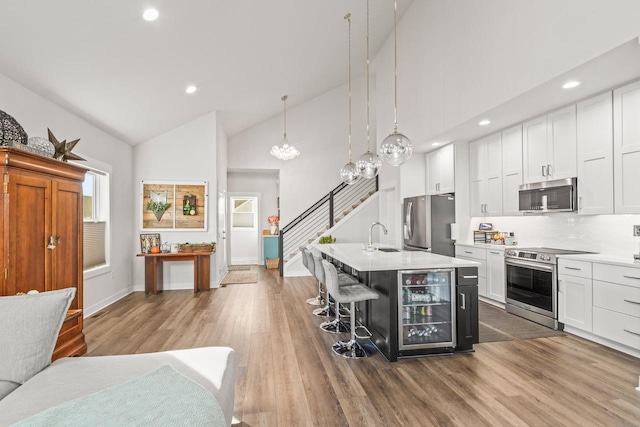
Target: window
(243, 212)
(95, 190)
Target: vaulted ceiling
(104, 63)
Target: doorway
(244, 247)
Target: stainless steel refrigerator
(427, 223)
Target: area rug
(239, 267)
(498, 325)
(240, 277)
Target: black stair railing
(322, 215)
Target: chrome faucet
(371, 230)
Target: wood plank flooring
(288, 375)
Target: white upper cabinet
(595, 155)
(561, 147)
(549, 146)
(485, 176)
(441, 170)
(511, 169)
(626, 148)
(534, 149)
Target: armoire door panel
(29, 228)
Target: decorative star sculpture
(63, 149)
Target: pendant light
(396, 148)
(369, 163)
(349, 173)
(286, 152)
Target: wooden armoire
(41, 232)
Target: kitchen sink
(389, 250)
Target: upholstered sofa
(182, 387)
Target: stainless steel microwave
(559, 195)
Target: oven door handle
(532, 265)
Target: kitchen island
(428, 302)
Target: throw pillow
(28, 333)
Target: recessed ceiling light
(571, 84)
(435, 144)
(150, 14)
(484, 122)
(191, 89)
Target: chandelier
(286, 151)
(396, 148)
(369, 163)
(349, 173)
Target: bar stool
(343, 279)
(307, 261)
(350, 348)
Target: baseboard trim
(90, 311)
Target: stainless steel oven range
(532, 284)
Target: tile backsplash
(606, 234)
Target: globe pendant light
(368, 164)
(396, 148)
(286, 152)
(349, 173)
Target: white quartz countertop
(487, 246)
(355, 256)
(604, 259)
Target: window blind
(94, 244)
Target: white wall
(36, 114)
(265, 183)
(187, 153)
(318, 128)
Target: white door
(495, 276)
(561, 134)
(534, 149)
(626, 144)
(244, 237)
(511, 169)
(595, 155)
(477, 193)
(433, 172)
(575, 302)
(221, 249)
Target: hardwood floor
(288, 375)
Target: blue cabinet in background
(270, 247)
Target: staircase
(323, 215)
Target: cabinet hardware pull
(632, 302)
(544, 170)
(573, 268)
(469, 277)
(580, 202)
(496, 253)
(631, 332)
(549, 173)
(464, 302)
(468, 252)
(631, 277)
(51, 244)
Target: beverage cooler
(426, 318)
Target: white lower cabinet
(495, 275)
(575, 302)
(600, 298)
(491, 274)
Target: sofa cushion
(30, 327)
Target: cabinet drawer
(574, 268)
(617, 274)
(620, 298)
(617, 327)
(471, 252)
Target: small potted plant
(158, 208)
(274, 220)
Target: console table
(153, 269)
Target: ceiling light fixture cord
(284, 100)
(368, 126)
(348, 18)
(395, 65)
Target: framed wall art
(173, 206)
